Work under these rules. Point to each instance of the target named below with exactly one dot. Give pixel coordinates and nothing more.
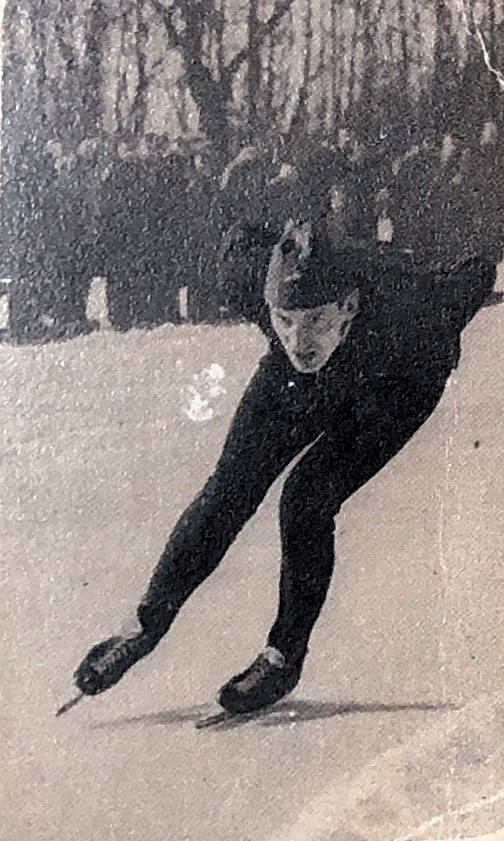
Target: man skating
(360, 352)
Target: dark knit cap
(324, 276)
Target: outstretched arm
(464, 290)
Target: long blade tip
(69, 705)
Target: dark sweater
(409, 324)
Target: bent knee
(305, 503)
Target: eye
(351, 305)
(284, 319)
(287, 247)
(317, 318)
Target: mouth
(307, 359)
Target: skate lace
(112, 656)
(261, 668)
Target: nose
(290, 247)
(303, 347)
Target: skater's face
(310, 336)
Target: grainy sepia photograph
(251, 350)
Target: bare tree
(186, 26)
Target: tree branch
(301, 112)
(199, 77)
(122, 84)
(262, 31)
(140, 100)
(211, 96)
(177, 39)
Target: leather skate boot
(268, 679)
(106, 663)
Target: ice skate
(267, 680)
(107, 662)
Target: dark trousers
(274, 422)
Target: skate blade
(226, 716)
(214, 720)
(69, 704)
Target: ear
(351, 303)
(345, 329)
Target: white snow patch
(198, 397)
